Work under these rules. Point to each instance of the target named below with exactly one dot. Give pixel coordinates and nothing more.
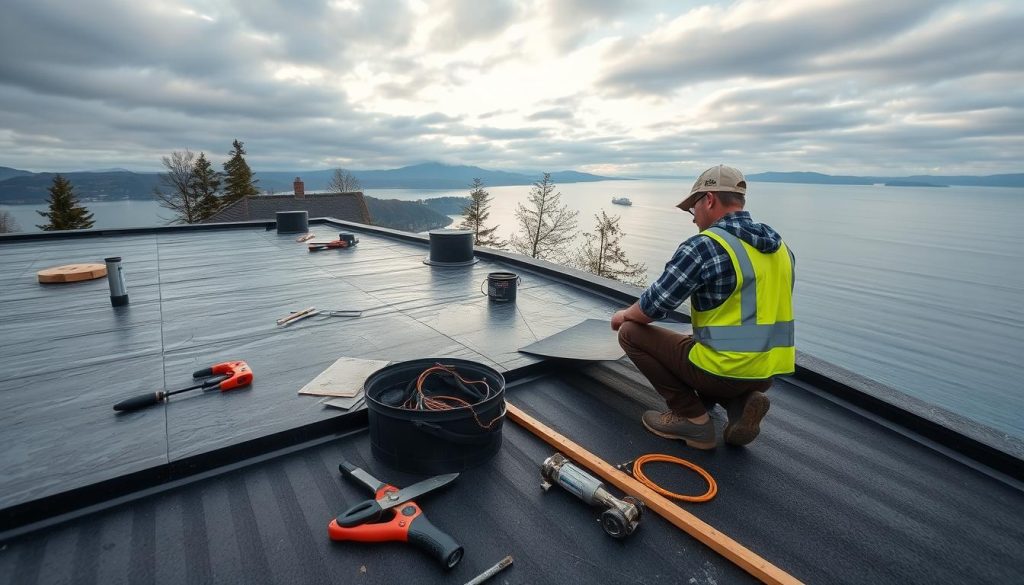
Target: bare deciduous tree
(7, 222)
(546, 227)
(343, 182)
(180, 196)
(602, 253)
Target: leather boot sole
(689, 442)
(746, 429)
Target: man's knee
(626, 333)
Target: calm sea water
(918, 288)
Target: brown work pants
(663, 357)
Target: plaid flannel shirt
(700, 267)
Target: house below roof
(349, 206)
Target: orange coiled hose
(638, 473)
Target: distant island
(1009, 180)
(911, 184)
(415, 216)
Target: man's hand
(618, 319)
(633, 313)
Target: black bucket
(434, 441)
(501, 286)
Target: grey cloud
(757, 50)
(574, 20)
(526, 134)
(465, 21)
(552, 114)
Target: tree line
(547, 230)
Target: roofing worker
(738, 275)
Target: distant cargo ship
(621, 201)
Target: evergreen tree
(204, 186)
(603, 255)
(65, 213)
(476, 214)
(545, 226)
(238, 181)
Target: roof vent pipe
(450, 248)
(292, 222)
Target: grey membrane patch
(591, 340)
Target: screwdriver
(226, 376)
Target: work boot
(745, 414)
(675, 426)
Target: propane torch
(620, 517)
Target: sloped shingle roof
(345, 206)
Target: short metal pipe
(115, 278)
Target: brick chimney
(300, 188)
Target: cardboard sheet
(344, 378)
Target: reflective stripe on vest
(745, 349)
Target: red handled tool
(406, 522)
(225, 376)
(333, 244)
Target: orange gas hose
(638, 473)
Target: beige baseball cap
(719, 178)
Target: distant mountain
(88, 186)
(812, 178)
(26, 187)
(421, 176)
(8, 172)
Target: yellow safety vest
(751, 335)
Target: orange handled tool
(407, 523)
(225, 376)
(238, 374)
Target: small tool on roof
(620, 518)
(345, 241)
(225, 376)
(407, 522)
(497, 568)
(305, 237)
(311, 311)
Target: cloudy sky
(622, 87)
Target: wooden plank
(695, 527)
(72, 273)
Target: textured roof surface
(826, 496)
(343, 206)
(239, 487)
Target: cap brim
(689, 201)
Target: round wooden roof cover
(72, 273)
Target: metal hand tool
(407, 523)
(225, 376)
(311, 311)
